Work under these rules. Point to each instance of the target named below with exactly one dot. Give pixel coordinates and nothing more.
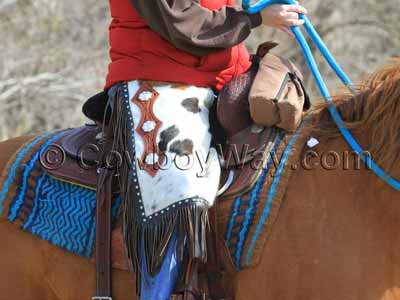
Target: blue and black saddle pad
(64, 213)
(59, 212)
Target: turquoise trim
(274, 186)
(19, 200)
(235, 209)
(16, 164)
(254, 200)
(35, 206)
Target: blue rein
(256, 7)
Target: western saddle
(85, 164)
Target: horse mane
(376, 110)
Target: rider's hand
(282, 16)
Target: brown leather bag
(277, 96)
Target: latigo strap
(103, 234)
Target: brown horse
(335, 237)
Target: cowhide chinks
(172, 142)
(172, 175)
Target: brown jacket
(195, 29)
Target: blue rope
(253, 8)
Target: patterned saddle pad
(63, 213)
(59, 212)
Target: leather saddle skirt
(244, 162)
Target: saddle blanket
(63, 213)
(59, 212)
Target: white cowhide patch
(185, 173)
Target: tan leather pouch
(277, 97)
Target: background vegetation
(54, 53)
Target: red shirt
(137, 52)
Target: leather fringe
(189, 221)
